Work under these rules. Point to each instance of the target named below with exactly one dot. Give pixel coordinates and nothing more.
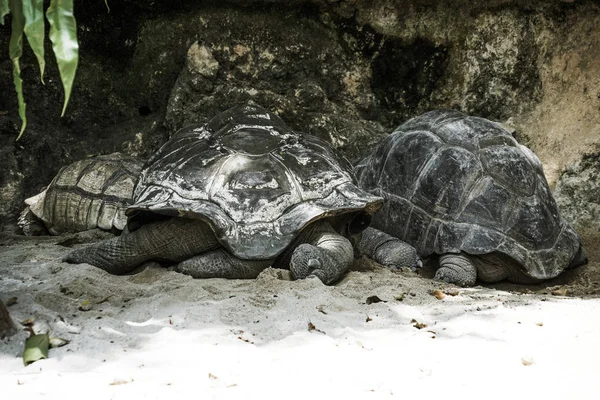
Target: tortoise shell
(253, 179)
(455, 183)
(87, 194)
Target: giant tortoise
(461, 187)
(87, 194)
(238, 194)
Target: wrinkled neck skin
(495, 267)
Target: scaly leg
(174, 239)
(456, 268)
(388, 250)
(221, 264)
(322, 253)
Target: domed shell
(87, 194)
(257, 182)
(455, 183)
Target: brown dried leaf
(438, 294)
(526, 361)
(417, 324)
(312, 327)
(120, 382)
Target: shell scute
(445, 180)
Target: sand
(377, 334)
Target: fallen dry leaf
(312, 327)
(243, 339)
(120, 382)
(438, 294)
(526, 361)
(211, 376)
(417, 324)
(559, 292)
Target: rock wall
(578, 193)
(348, 71)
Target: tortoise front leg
(220, 264)
(323, 253)
(388, 250)
(456, 268)
(174, 239)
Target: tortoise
(237, 194)
(461, 187)
(87, 194)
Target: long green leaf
(36, 348)
(15, 51)
(33, 10)
(63, 34)
(4, 10)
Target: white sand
(159, 335)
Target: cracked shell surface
(253, 179)
(453, 182)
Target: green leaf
(15, 51)
(4, 10)
(63, 34)
(33, 10)
(36, 348)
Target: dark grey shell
(257, 182)
(455, 183)
(87, 194)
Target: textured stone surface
(578, 193)
(290, 64)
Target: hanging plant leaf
(15, 50)
(4, 10)
(63, 34)
(33, 11)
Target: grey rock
(577, 193)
